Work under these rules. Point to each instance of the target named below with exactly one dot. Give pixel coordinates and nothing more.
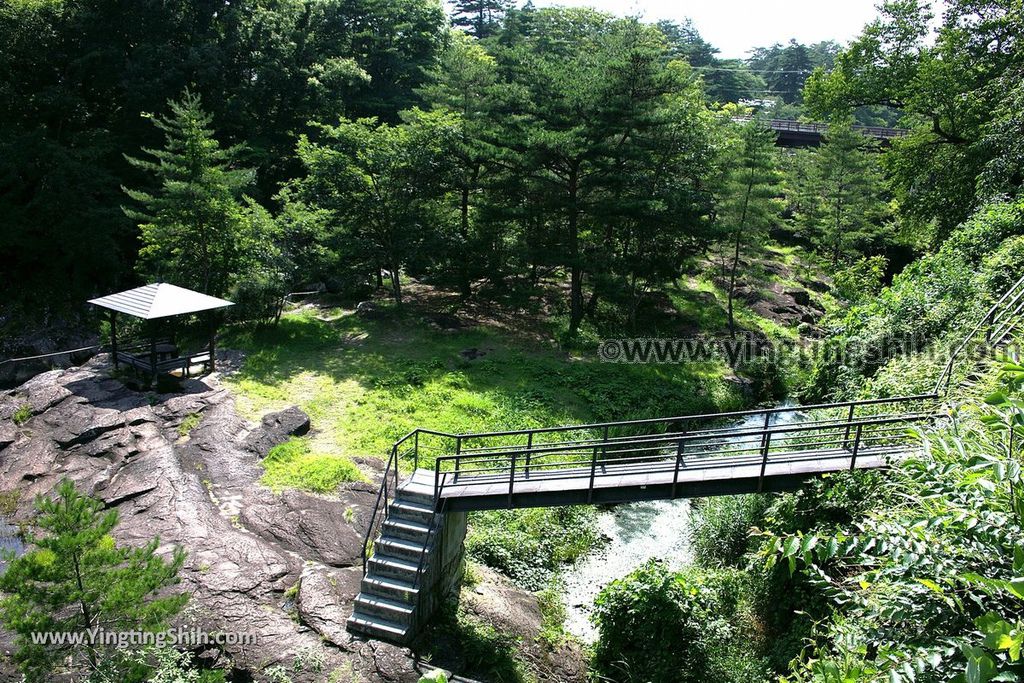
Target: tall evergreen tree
(75, 578)
(725, 80)
(591, 94)
(376, 183)
(193, 227)
(748, 194)
(842, 206)
(463, 82)
(480, 17)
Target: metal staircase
(388, 603)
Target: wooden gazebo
(151, 303)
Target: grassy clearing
(294, 465)
(366, 383)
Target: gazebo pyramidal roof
(159, 300)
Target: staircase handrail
(385, 494)
(997, 319)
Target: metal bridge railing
(790, 125)
(675, 452)
(547, 452)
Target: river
(635, 533)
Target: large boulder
(327, 530)
(800, 296)
(368, 309)
(276, 428)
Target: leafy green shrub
(928, 590)
(157, 665)
(860, 279)
(937, 297)
(293, 465)
(720, 528)
(553, 614)
(768, 375)
(784, 607)
(528, 545)
(1004, 266)
(435, 676)
(656, 625)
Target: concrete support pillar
(442, 578)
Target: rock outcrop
(283, 568)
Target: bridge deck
(628, 482)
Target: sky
(737, 26)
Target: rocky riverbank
(283, 567)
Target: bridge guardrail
(434, 443)
(789, 125)
(666, 453)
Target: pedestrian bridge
(414, 538)
(681, 457)
(789, 133)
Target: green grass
(22, 415)
(190, 422)
(366, 383)
(553, 615)
(531, 545)
(294, 465)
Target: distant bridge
(798, 134)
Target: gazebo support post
(113, 338)
(211, 322)
(152, 353)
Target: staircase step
(387, 587)
(376, 627)
(391, 610)
(386, 565)
(407, 529)
(417, 493)
(399, 547)
(411, 510)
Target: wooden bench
(182, 364)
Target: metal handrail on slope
(997, 322)
(385, 495)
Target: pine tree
(844, 207)
(194, 228)
(749, 191)
(462, 83)
(481, 17)
(75, 578)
